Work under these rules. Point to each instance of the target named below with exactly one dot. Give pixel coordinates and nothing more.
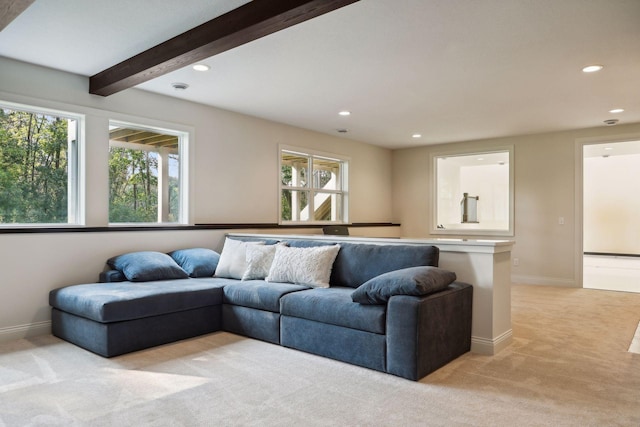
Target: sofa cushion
(295, 243)
(334, 306)
(417, 281)
(357, 263)
(306, 266)
(197, 262)
(147, 265)
(258, 294)
(233, 259)
(115, 302)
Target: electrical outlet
(561, 220)
(516, 262)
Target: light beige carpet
(568, 366)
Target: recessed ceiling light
(592, 68)
(416, 135)
(616, 110)
(608, 148)
(480, 158)
(201, 67)
(345, 113)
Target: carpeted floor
(568, 366)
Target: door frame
(578, 268)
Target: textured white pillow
(259, 259)
(233, 259)
(306, 266)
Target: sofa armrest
(425, 333)
(111, 276)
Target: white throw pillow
(259, 259)
(233, 259)
(306, 266)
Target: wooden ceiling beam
(10, 9)
(249, 22)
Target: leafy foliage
(33, 167)
(133, 186)
(34, 176)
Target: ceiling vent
(611, 122)
(179, 86)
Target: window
(38, 166)
(473, 193)
(146, 183)
(313, 187)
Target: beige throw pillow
(259, 260)
(305, 266)
(233, 259)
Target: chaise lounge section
(383, 307)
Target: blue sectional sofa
(384, 307)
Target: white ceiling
(450, 70)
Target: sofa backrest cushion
(358, 262)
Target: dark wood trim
(229, 226)
(10, 9)
(249, 22)
(373, 224)
(612, 254)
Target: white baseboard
(25, 331)
(488, 346)
(541, 280)
(635, 342)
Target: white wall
(545, 190)
(235, 172)
(612, 204)
(234, 178)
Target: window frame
(75, 166)
(184, 137)
(433, 158)
(343, 184)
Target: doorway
(611, 216)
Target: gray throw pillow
(147, 266)
(416, 281)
